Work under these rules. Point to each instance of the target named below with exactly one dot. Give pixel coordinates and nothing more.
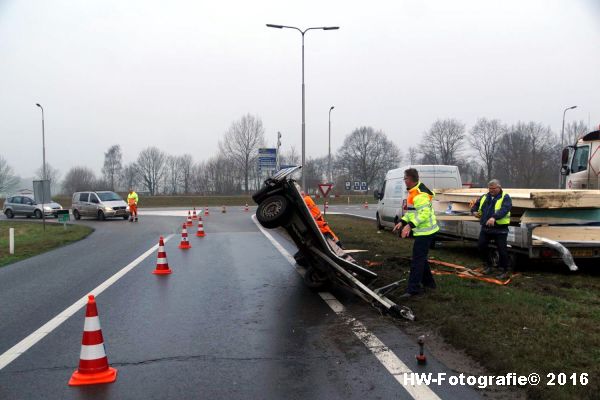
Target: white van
(392, 197)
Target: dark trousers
(420, 273)
(484, 251)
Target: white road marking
(14, 352)
(384, 354)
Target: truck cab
(581, 163)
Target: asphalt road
(234, 320)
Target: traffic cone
(194, 215)
(200, 232)
(246, 208)
(206, 211)
(366, 205)
(189, 219)
(421, 359)
(93, 363)
(184, 239)
(162, 265)
(223, 209)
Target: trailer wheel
(315, 279)
(273, 211)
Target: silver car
(100, 205)
(27, 206)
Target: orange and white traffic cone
(223, 209)
(205, 210)
(189, 219)
(200, 232)
(194, 215)
(93, 363)
(246, 208)
(184, 239)
(162, 265)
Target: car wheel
(273, 211)
(101, 216)
(315, 279)
(76, 215)
(38, 214)
(9, 214)
(379, 226)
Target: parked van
(99, 205)
(392, 197)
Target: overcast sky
(175, 74)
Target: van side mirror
(376, 194)
(564, 170)
(565, 156)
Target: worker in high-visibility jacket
(493, 211)
(318, 217)
(132, 201)
(420, 222)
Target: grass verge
(31, 240)
(546, 321)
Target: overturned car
(280, 205)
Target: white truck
(581, 163)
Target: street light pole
(329, 152)
(562, 141)
(43, 168)
(302, 32)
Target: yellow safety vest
(502, 221)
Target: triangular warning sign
(324, 188)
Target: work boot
(136, 220)
(131, 219)
(504, 275)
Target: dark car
(280, 205)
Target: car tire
(76, 215)
(101, 216)
(37, 214)
(379, 226)
(315, 279)
(9, 214)
(273, 211)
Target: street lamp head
(331, 28)
(275, 26)
(570, 108)
(332, 107)
(38, 104)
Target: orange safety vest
(316, 213)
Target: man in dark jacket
(493, 210)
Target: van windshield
(109, 196)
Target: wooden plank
(569, 233)
(530, 198)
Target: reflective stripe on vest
(502, 221)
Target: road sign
(363, 186)
(348, 185)
(325, 188)
(41, 191)
(267, 159)
(356, 185)
(63, 216)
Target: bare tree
(412, 155)
(130, 176)
(574, 131)
(290, 157)
(52, 174)
(78, 179)
(200, 179)
(443, 142)
(113, 163)
(8, 180)
(528, 156)
(367, 154)
(186, 164)
(484, 137)
(151, 168)
(241, 143)
(172, 175)
(316, 171)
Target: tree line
(524, 154)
